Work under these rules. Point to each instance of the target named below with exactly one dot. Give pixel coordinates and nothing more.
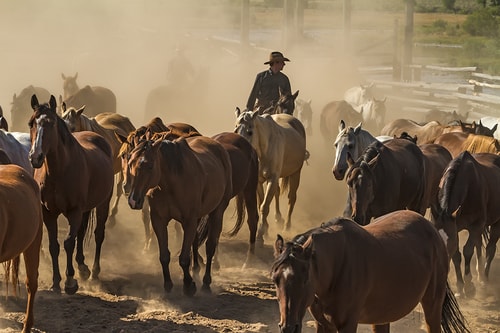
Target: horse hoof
(259, 242)
(470, 291)
(190, 289)
(84, 272)
(71, 286)
(206, 289)
(55, 289)
(168, 286)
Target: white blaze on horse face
(444, 236)
(36, 148)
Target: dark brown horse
(285, 104)
(387, 177)
(21, 230)
(458, 142)
(245, 178)
(186, 179)
(346, 275)
(3, 122)
(468, 200)
(75, 174)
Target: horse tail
(452, 319)
(202, 230)
(240, 214)
(285, 183)
(11, 268)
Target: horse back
(116, 122)
(331, 115)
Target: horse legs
(83, 270)
(189, 227)
(252, 221)
(118, 193)
(277, 215)
(272, 185)
(384, 328)
(491, 247)
(31, 261)
(50, 221)
(264, 226)
(457, 262)
(146, 221)
(472, 242)
(75, 222)
(293, 186)
(161, 232)
(214, 231)
(99, 234)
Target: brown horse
(346, 275)
(458, 142)
(96, 99)
(285, 104)
(330, 118)
(115, 124)
(468, 200)
(187, 179)
(21, 230)
(75, 174)
(245, 178)
(280, 142)
(128, 143)
(387, 177)
(3, 122)
(428, 132)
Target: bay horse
(21, 230)
(331, 115)
(128, 143)
(303, 111)
(245, 178)
(458, 142)
(108, 125)
(347, 274)
(284, 104)
(75, 175)
(387, 177)
(468, 200)
(186, 179)
(280, 142)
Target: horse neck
(363, 140)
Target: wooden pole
(288, 10)
(299, 18)
(396, 64)
(408, 47)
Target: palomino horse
(128, 143)
(303, 112)
(387, 177)
(95, 98)
(75, 174)
(468, 200)
(346, 275)
(359, 95)
(115, 124)
(280, 142)
(428, 132)
(21, 230)
(186, 179)
(457, 142)
(330, 118)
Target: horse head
(286, 102)
(291, 276)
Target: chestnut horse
(75, 174)
(21, 230)
(387, 177)
(186, 179)
(468, 200)
(346, 275)
(280, 142)
(114, 123)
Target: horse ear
(279, 246)
(341, 125)
(122, 139)
(295, 95)
(63, 76)
(63, 106)
(455, 213)
(357, 129)
(52, 102)
(80, 110)
(34, 102)
(237, 112)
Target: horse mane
(480, 143)
(371, 151)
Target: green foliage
(481, 23)
(449, 4)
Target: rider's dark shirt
(266, 89)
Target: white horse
(359, 95)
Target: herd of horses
(71, 160)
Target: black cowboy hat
(276, 56)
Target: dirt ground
(125, 46)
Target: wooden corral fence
(470, 93)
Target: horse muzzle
(36, 160)
(135, 201)
(290, 329)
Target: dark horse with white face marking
(75, 174)
(346, 275)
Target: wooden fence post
(462, 102)
(408, 48)
(245, 26)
